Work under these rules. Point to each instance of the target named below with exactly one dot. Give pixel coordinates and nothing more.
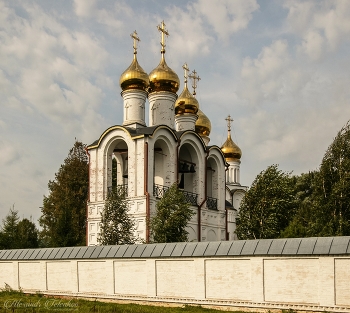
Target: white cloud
(300, 14)
(84, 8)
(313, 45)
(191, 37)
(227, 16)
(113, 17)
(266, 77)
(323, 26)
(8, 153)
(84, 51)
(188, 35)
(51, 67)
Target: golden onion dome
(134, 77)
(186, 103)
(203, 125)
(163, 78)
(230, 150)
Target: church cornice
(134, 133)
(181, 134)
(159, 127)
(128, 131)
(217, 148)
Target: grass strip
(17, 301)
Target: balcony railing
(122, 188)
(212, 203)
(159, 191)
(190, 197)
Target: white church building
(171, 147)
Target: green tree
(28, 234)
(172, 216)
(64, 210)
(332, 188)
(302, 223)
(268, 205)
(16, 233)
(117, 226)
(9, 235)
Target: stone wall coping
(314, 246)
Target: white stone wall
(301, 283)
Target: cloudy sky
(279, 68)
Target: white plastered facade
(152, 162)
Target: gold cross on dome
(162, 29)
(186, 69)
(195, 78)
(229, 120)
(136, 39)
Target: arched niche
(211, 235)
(192, 236)
(237, 198)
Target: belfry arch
(117, 164)
(191, 172)
(163, 163)
(212, 183)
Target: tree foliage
(9, 230)
(114, 171)
(332, 190)
(321, 198)
(267, 206)
(16, 233)
(172, 216)
(325, 211)
(28, 234)
(64, 209)
(302, 223)
(117, 226)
